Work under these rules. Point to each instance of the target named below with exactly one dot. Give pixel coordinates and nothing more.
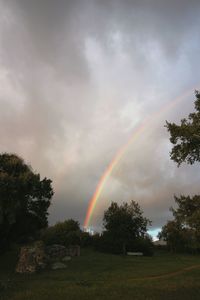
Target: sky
(77, 78)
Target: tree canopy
(24, 199)
(186, 136)
(125, 223)
(183, 233)
(65, 233)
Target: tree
(186, 137)
(64, 233)
(124, 223)
(24, 199)
(183, 233)
(188, 211)
(172, 234)
(185, 228)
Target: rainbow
(120, 153)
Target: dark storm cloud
(77, 77)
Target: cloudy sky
(76, 80)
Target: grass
(103, 276)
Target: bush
(142, 244)
(86, 239)
(64, 233)
(106, 243)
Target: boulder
(36, 257)
(32, 258)
(56, 252)
(58, 266)
(66, 258)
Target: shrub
(106, 243)
(64, 233)
(142, 244)
(86, 239)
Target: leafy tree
(186, 137)
(24, 199)
(183, 233)
(124, 223)
(172, 234)
(185, 228)
(188, 211)
(64, 233)
(86, 239)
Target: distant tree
(86, 239)
(64, 233)
(188, 211)
(183, 233)
(124, 223)
(172, 233)
(24, 199)
(186, 136)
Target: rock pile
(56, 252)
(37, 257)
(59, 251)
(31, 259)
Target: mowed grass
(103, 276)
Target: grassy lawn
(101, 276)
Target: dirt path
(167, 275)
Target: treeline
(125, 229)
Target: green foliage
(64, 233)
(123, 224)
(188, 210)
(186, 136)
(86, 239)
(142, 244)
(183, 233)
(24, 199)
(106, 242)
(172, 233)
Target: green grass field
(102, 276)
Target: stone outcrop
(31, 258)
(56, 252)
(36, 257)
(58, 265)
(66, 259)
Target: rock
(56, 252)
(59, 251)
(66, 258)
(31, 258)
(58, 265)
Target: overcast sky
(78, 77)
